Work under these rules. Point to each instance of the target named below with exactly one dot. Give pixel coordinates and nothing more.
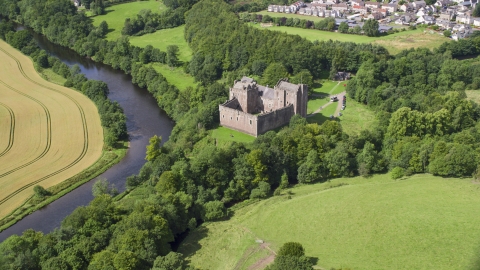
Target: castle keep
(255, 109)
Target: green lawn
(423, 222)
(315, 103)
(223, 135)
(394, 43)
(175, 76)
(294, 16)
(324, 114)
(161, 39)
(357, 117)
(115, 15)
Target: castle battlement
(255, 109)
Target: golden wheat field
(48, 133)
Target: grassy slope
(394, 43)
(424, 222)
(473, 95)
(115, 15)
(222, 135)
(357, 117)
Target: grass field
(394, 43)
(175, 76)
(115, 15)
(423, 222)
(357, 117)
(53, 132)
(223, 135)
(161, 39)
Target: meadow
(223, 135)
(116, 14)
(420, 222)
(394, 42)
(53, 132)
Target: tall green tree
(273, 73)
(172, 55)
(154, 148)
(370, 28)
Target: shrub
(214, 210)
(397, 173)
(294, 249)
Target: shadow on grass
(189, 249)
(313, 260)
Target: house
(321, 13)
(320, 6)
(391, 8)
(444, 24)
(340, 7)
(335, 14)
(384, 28)
(270, 8)
(406, 7)
(372, 4)
(421, 12)
(288, 10)
(442, 3)
(464, 19)
(303, 11)
(342, 76)
(381, 11)
(357, 3)
(446, 16)
(476, 21)
(426, 20)
(461, 31)
(360, 9)
(418, 4)
(375, 16)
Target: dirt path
(339, 105)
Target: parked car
(334, 98)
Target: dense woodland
(425, 125)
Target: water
(144, 119)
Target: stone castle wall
(275, 119)
(238, 120)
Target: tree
(476, 11)
(291, 249)
(311, 170)
(168, 183)
(370, 28)
(172, 261)
(258, 67)
(273, 73)
(172, 55)
(343, 27)
(447, 33)
(102, 187)
(214, 210)
(102, 29)
(40, 191)
(154, 148)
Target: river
(144, 119)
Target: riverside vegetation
(191, 179)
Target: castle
(255, 109)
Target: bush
(294, 249)
(397, 173)
(214, 210)
(40, 191)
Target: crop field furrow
(49, 129)
(11, 127)
(61, 135)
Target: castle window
(231, 118)
(250, 122)
(237, 118)
(223, 115)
